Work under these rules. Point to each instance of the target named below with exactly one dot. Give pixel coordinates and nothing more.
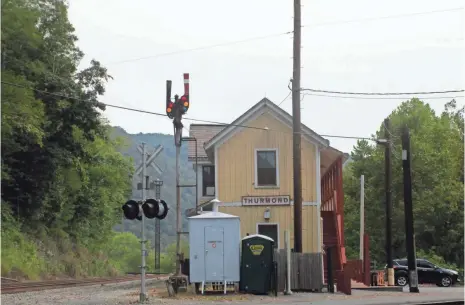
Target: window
(424, 264)
(402, 262)
(266, 171)
(208, 180)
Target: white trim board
(201, 162)
(318, 201)
(256, 168)
(269, 224)
(239, 204)
(318, 191)
(217, 186)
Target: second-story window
(266, 168)
(208, 180)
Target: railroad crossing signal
(150, 160)
(151, 208)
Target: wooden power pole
(388, 187)
(297, 155)
(409, 230)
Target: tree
(437, 166)
(63, 179)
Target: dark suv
(428, 273)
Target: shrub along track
(9, 287)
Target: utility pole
(178, 135)
(296, 128)
(175, 110)
(143, 294)
(362, 213)
(409, 230)
(158, 184)
(388, 188)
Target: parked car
(428, 273)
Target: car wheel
(446, 281)
(401, 280)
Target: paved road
(358, 297)
(427, 294)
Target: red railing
(343, 282)
(332, 193)
(357, 269)
(332, 200)
(354, 269)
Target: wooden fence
(306, 271)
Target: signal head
(185, 103)
(169, 108)
(131, 210)
(163, 210)
(150, 208)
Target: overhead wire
(282, 34)
(383, 93)
(385, 98)
(385, 17)
(164, 115)
(201, 48)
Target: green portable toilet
(256, 264)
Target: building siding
(284, 216)
(235, 167)
(236, 162)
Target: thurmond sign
(266, 200)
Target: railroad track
(9, 287)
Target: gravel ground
(128, 293)
(120, 293)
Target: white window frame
(257, 150)
(271, 224)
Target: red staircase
(332, 212)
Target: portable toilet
(257, 264)
(214, 251)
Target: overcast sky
(422, 52)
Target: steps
(330, 238)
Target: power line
(282, 34)
(201, 48)
(164, 115)
(383, 93)
(384, 17)
(79, 99)
(385, 98)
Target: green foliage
(437, 178)
(123, 251)
(63, 177)
(19, 255)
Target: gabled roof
(264, 106)
(203, 133)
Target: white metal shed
(214, 248)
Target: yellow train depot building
(250, 171)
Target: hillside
(166, 161)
